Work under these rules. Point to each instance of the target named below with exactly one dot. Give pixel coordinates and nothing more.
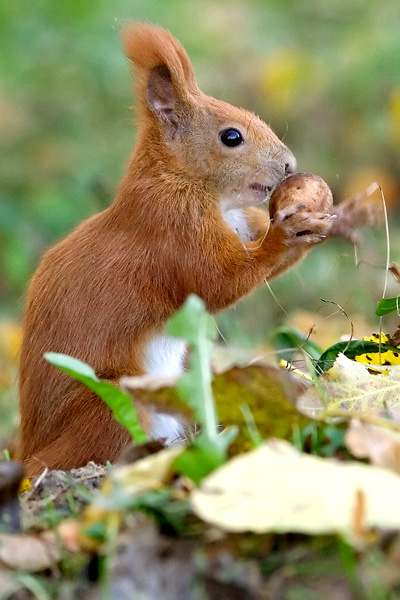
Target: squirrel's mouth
(260, 191)
(260, 187)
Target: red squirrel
(184, 221)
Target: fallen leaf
(275, 488)
(268, 392)
(351, 385)
(157, 391)
(7, 585)
(67, 533)
(118, 489)
(149, 473)
(28, 552)
(379, 444)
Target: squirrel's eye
(231, 137)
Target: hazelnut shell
(301, 188)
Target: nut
(301, 188)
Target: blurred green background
(325, 75)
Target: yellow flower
(375, 358)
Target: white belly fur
(236, 219)
(164, 357)
(167, 429)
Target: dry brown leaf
(158, 391)
(67, 533)
(379, 444)
(395, 271)
(28, 552)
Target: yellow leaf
(350, 385)
(149, 473)
(275, 488)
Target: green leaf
(119, 402)
(387, 306)
(192, 322)
(351, 350)
(287, 341)
(200, 459)
(209, 450)
(72, 366)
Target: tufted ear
(164, 75)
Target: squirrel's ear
(160, 95)
(163, 72)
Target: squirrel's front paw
(299, 226)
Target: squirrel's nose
(290, 163)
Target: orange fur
(105, 291)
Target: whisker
(287, 129)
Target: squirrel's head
(231, 151)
